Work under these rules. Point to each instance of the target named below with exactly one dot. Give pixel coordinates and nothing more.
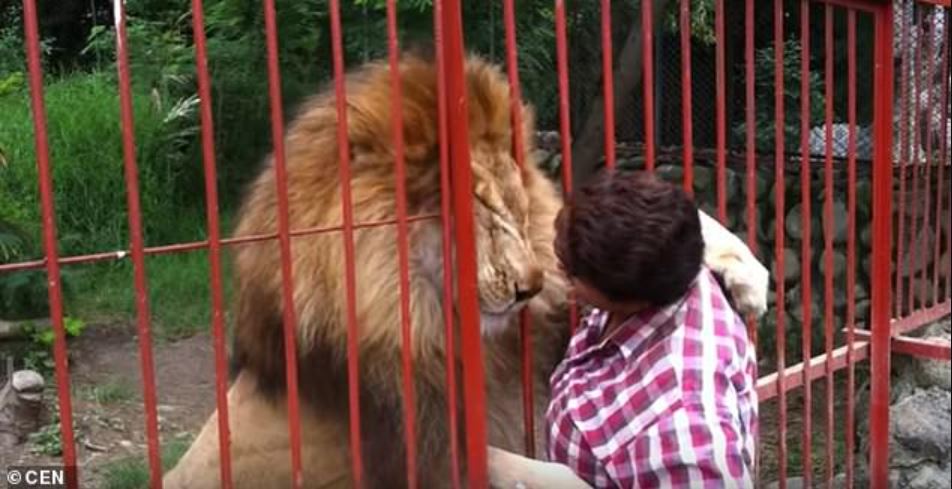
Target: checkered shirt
(669, 400)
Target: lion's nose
(530, 286)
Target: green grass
(133, 472)
(110, 392)
(179, 293)
(86, 158)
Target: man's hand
(511, 471)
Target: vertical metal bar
(647, 56)
(751, 149)
(916, 167)
(941, 163)
(136, 248)
(284, 241)
(347, 216)
(214, 242)
(565, 126)
(608, 83)
(403, 245)
(470, 341)
(881, 241)
(779, 209)
(927, 179)
(446, 219)
(903, 155)
(518, 149)
(851, 241)
(721, 88)
(828, 230)
(686, 111)
(806, 258)
(944, 151)
(947, 83)
(53, 281)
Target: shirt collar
(644, 327)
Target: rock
(670, 173)
(913, 251)
(794, 300)
(27, 381)
(919, 427)
(793, 223)
(926, 477)
(126, 444)
(792, 483)
(936, 373)
(866, 235)
(94, 447)
(839, 226)
(21, 413)
(705, 182)
(791, 266)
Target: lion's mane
(319, 272)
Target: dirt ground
(110, 418)
(109, 413)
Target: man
(658, 386)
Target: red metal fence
(909, 282)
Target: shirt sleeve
(683, 449)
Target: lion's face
(509, 274)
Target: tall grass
(87, 164)
(179, 293)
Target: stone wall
(669, 167)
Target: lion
(514, 208)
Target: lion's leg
(260, 449)
(728, 256)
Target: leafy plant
(40, 357)
(47, 440)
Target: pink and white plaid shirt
(669, 400)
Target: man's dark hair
(631, 236)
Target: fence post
(462, 185)
(882, 243)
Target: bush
(87, 165)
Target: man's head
(629, 238)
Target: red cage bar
(447, 237)
(647, 57)
(779, 214)
(53, 278)
(721, 88)
(851, 244)
(608, 89)
(284, 241)
(828, 230)
(347, 216)
(403, 243)
(881, 241)
(565, 125)
(137, 245)
(466, 284)
(806, 257)
(684, 21)
(518, 151)
(214, 243)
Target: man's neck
(619, 315)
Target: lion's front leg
(728, 256)
(260, 447)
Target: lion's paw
(748, 283)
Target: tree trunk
(589, 144)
